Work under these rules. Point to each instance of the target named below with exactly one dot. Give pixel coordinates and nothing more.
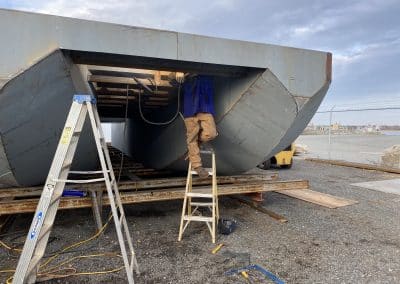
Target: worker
(198, 112)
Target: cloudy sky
(364, 36)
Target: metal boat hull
(265, 94)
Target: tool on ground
(188, 213)
(246, 276)
(39, 232)
(256, 267)
(217, 248)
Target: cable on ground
(47, 273)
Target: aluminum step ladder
(38, 235)
(204, 197)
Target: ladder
(38, 235)
(204, 197)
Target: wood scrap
(319, 198)
(262, 209)
(355, 165)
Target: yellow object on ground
(246, 276)
(285, 157)
(217, 248)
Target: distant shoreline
(347, 133)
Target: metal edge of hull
(300, 70)
(256, 118)
(33, 107)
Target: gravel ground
(354, 244)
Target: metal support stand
(39, 232)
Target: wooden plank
(262, 209)
(19, 192)
(155, 103)
(112, 97)
(122, 80)
(355, 165)
(106, 98)
(319, 198)
(100, 105)
(29, 205)
(122, 92)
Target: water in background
(391, 133)
(353, 148)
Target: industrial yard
(353, 244)
(172, 143)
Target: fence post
(329, 132)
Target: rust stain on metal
(328, 67)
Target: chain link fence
(369, 135)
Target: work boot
(201, 172)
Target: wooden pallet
(26, 199)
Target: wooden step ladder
(204, 197)
(39, 232)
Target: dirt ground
(354, 244)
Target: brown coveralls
(199, 128)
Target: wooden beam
(147, 103)
(157, 98)
(319, 198)
(112, 97)
(355, 165)
(105, 102)
(123, 80)
(109, 105)
(131, 98)
(122, 92)
(18, 192)
(262, 209)
(112, 102)
(29, 205)
(127, 72)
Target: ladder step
(209, 170)
(201, 204)
(197, 218)
(205, 151)
(197, 194)
(77, 133)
